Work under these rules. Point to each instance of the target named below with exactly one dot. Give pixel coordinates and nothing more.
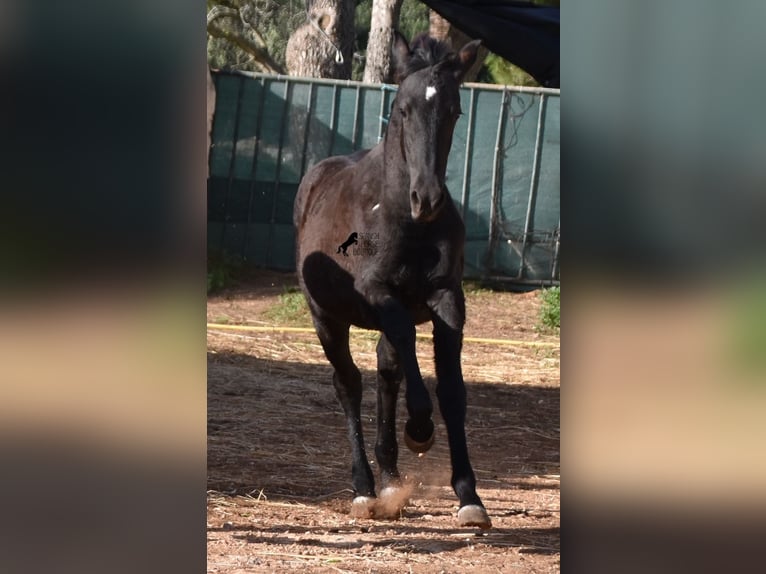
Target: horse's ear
(466, 57)
(400, 56)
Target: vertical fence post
(557, 238)
(356, 118)
(333, 120)
(385, 89)
(382, 110)
(493, 207)
(532, 185)
(467, 158)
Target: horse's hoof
(391, 502)
(474, 515)
(424, 440)
(363, 507)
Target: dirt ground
(279, 460)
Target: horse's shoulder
(332, 173)
(337, 163)
(324, 168)
(358, 155)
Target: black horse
(397, 193)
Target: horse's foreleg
(390, 376)
(394, 496)
(348, 387)
(399, 329)
(448, 314)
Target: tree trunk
(323, 46)
(385, 17)
(443, 30)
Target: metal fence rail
(503, 170)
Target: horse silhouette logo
(348, 243)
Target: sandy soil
(279, 461)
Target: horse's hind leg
(348, 387)
(393, 497)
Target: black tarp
(525, 34)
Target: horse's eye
(403, 112)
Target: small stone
(228, 525)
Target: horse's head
(424, 114)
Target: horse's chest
(415, 272)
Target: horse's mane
(425, 52)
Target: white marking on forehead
(430, 92)
(376, 206)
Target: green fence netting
(503, 171)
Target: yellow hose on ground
(262, 329)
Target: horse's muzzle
(425, 208)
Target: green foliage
(216, 279)
(223, 55)
(220, 271)
(284, 19)
(475, 288)
(362, 27)
(413, 18)
(550, 313)
(496, 70)
(290, 310)
(746, 329)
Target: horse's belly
(420, 314)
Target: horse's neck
(395, 178)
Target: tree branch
(219, 11)
(228, 23)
